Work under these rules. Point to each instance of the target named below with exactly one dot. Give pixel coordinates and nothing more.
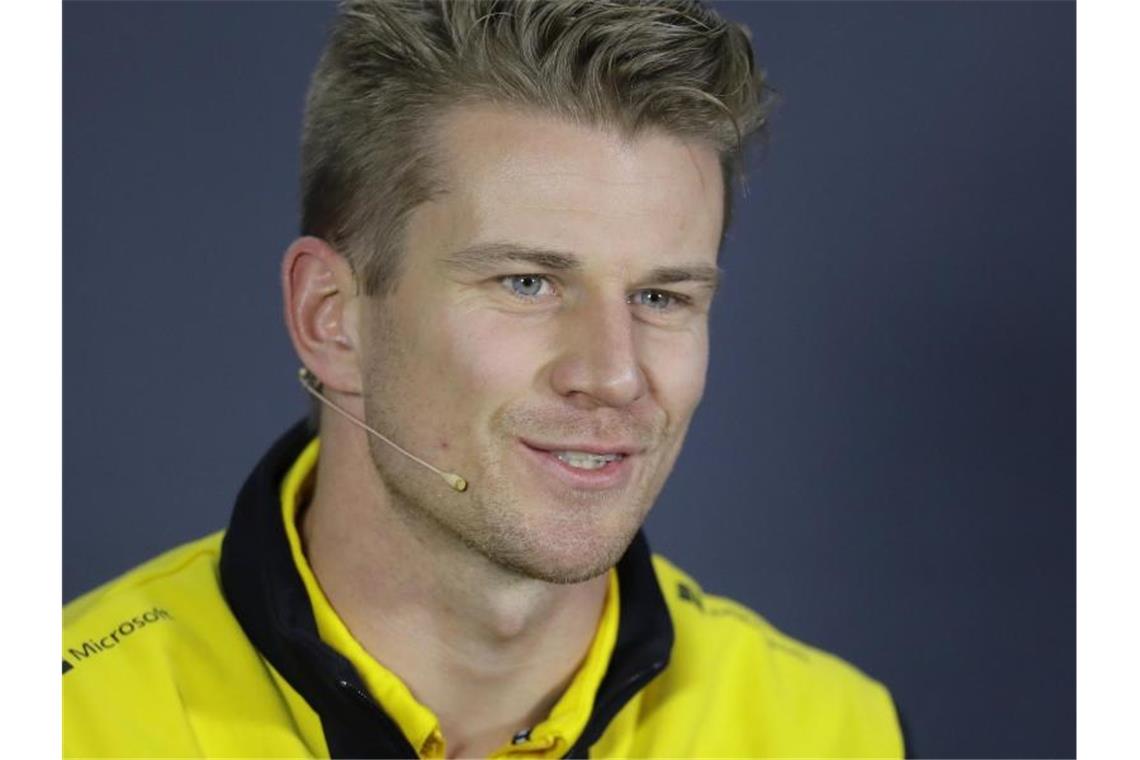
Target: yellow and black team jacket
(227, 647)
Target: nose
(599, 364)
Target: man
(511, 219)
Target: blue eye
(525, 285)
(654, 299)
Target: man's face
(547, 338)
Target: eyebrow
(486, 256)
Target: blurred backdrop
(884, 463)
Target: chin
(558, 553)
(559, 570)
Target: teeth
(585, 460)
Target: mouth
(586, 466)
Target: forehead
(531, 179)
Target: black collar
(268, 598)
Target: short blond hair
(392, 67)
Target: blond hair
(392, 67)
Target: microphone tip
(458, 483)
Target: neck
(488, 651)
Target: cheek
(490, 358)
(677, 370)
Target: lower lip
(613, 474)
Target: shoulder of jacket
(150, 653)
(134, 621)
(147, 582)
(736, 686)
(712, 629)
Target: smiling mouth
(585, 460)
(585, 466)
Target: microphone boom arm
(311, 384)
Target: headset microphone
(311, 384)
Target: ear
(320, 312)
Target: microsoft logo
(114, 637)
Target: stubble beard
(571, 543)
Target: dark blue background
(884, 463)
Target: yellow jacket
(226, 647)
